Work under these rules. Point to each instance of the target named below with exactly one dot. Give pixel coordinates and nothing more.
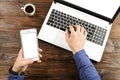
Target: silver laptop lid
(105, 9)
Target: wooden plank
(113, 45)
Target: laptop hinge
(84, 10)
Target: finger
(82, 30)
(85, 33)
(40, 55)
(78, 28)
(39, 61)
(40, 50)
(28, 61)
(72, 29)
(67, 34)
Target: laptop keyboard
(62, 21)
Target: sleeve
(86, 69)
(15, 77)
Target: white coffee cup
(29, 9)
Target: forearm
(86, 69)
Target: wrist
(76, 50)
(15, 69)
(11, 71)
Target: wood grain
(58, 63)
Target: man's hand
(21, 64)
(76, 39)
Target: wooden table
(58, 63)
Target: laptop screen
(106, 8)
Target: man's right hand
(76, 39)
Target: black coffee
(29, 9)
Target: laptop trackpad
(60, 40)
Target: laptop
(96, 16)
